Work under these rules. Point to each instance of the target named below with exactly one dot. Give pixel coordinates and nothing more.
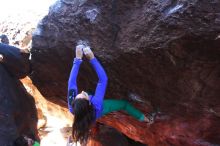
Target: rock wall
(163, 54)
(18, 115)
(107, 136)
(15, 61)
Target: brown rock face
(165, 54)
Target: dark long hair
(84, 117)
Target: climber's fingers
(79, 51)
(88, 52)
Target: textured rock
(19, 23)
(18, 115)
(164, 54)
(168, 130)
(107, 136)
(103, 135)
(18, 30)
(15, 60)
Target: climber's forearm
(97, 100)
(72, 85)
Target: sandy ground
(55, 133)
(54, 121)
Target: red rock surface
(167, 129)
(165, 52)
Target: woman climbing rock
(88, 108)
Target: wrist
(90, 56)
(77, 57)
(76, 60)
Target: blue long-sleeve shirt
(97, 99)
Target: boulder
(160, 54)
(107, 136)
(18, 115)
(15, 60)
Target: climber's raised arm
(72, 85)
(97, 99)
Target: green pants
(111, 105)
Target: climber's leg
(111, 105)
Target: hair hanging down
(84, 117)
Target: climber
(25, 141)
(87, 108)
